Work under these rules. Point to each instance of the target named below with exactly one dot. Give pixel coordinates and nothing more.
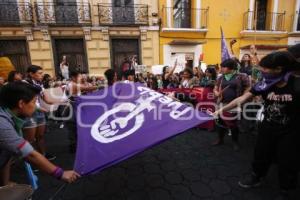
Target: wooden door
(74, 49)
(124, 49)
(17, 52)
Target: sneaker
(50, 156)
(250, 182)
(229, 133)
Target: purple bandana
(270, 80)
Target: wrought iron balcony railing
(63, 14)
(192, 18)
(268, 21)
(15, 14)
(129, 15)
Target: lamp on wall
(154, 14)
(155, 19)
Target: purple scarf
(270, 80)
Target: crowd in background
(188, 78)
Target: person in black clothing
(277, 139)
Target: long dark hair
(282, 59)
(46, 81)
(110, 74)
(213, 72)
(243, 62)
(189, 71)
(164, 72)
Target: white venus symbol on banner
(105, 131)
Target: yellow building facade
(94, 34)
(191, 28)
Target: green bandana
(228, 77)
(18, 122)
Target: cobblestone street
(184, 167)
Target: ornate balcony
(15, 14)
(63, 14)
(184, 18)
(129, 15)
(268, 21)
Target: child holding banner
(18, 100)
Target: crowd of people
(275, 78)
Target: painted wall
(230, 15)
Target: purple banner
(224, 49)
(125, 119)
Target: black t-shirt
(166, 82)
(247, 70)
(282, 105)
